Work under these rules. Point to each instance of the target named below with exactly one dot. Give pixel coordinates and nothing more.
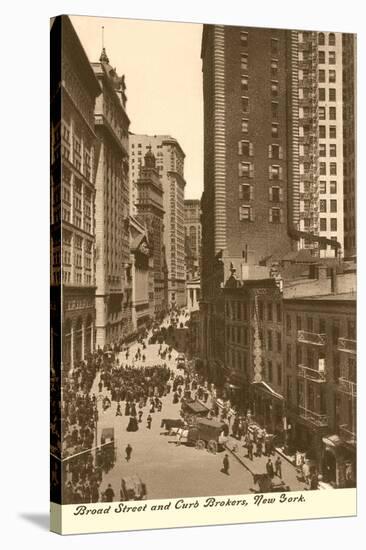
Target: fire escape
(309, 178)
(347, 385)
(314, 378)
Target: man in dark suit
(226, 465)
(269, 468)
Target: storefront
(306, 437)
(268, 408)
(338, 465)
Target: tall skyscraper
(170, 165)
(113, 294)
(246, 203)
(273, 149)
(349, 143)
(74, 89)
(192, 228)
(150, 211)
(317, 134)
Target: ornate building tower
(150, 211)
(170, 165)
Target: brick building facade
(290, 358)
(320, 373)
(253, 347)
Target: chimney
(333, 281)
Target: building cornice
(177, 175)
(102, 122)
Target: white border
(187, 512)
(24, 278)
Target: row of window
(246, 170)
(323, 168)
(323, 226)
(269, 373)
(274, 42)
(245, 85)
(323, 150)
(331, 57)
(274, 342)
(332, 131)
(245, 128)
(139, 145)
(78, 278)
(332, 76)
(312, 359)
(267, 311)
(332, 94)
(332, 113)
(305, 113)
(245, 107)
(237, 359)
(237, 335)
(332, 205)
(246, 193)
(319, 326)
(275, 214)
(236, 311)
(323, 187)
(86, 167)
(331, 39)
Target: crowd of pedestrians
(137, 390)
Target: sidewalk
(258, 464)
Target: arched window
(321, 39)
(331, 39)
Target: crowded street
(156, 458)
(130, 393)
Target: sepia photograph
(203, 260)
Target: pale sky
(162, 65)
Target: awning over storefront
(195, 407)
(267, 389)
(332, 440)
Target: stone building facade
(170, 165)
(193, 234)
(113, 293)
(74, 155)
(150, 211)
